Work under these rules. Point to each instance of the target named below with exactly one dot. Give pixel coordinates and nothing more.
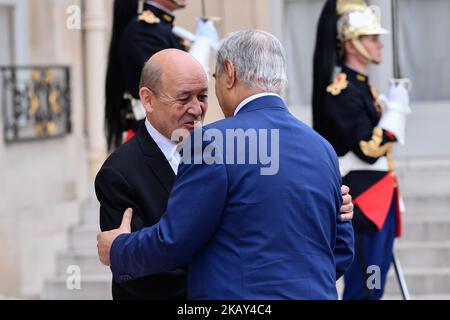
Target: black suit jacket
(137, 175)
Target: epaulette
(148, 17)
(339, 84)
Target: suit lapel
(155, 159)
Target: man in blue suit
(251, 225)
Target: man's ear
(147, 99)
(230, 73)
(350, 48)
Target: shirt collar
(167, 146)
(253, 97)
(361, 77)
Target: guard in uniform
(140, 29)
(362, 127)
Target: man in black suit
(138, 33)
(140, 173)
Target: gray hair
(151, 76)
(258, 57)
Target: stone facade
(43, 184)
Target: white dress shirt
(253, 97)
(167, 146)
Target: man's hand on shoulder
(105, 239)
(347, 205)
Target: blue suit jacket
(247, 235)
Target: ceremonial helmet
(357, 19)
(179, 3)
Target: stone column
(95, 68)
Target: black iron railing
(36, 102)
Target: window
(34, 100)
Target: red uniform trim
(398, 213)
(389, 135)
(376, 201)
(130, 134)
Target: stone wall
(42, 182)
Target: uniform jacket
(137, 175)
(352, 116)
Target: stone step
(424, 177)
(426, 229)
(92, 288)
(4, 297)
(421, 281)
(87, 261)
(419, 297)
(84, 237)
(420, 254)
(433, 207)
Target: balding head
(174, 91)
(166, 64)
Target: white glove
(183, 33)
(395, 109)
(206, 38)
(208, 30)
(399, 97)
(205, 29)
